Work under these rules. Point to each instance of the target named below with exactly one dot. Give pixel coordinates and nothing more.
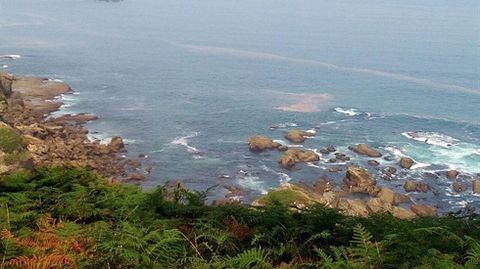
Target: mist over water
(187, 83)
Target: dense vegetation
(70, 218)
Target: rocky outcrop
(6, 81)
(56, 141)
(423, 210)
(298, 136)
(391, 197)
(294, 156)
(259, 143)
(357, 179)
(116, 144)
(452, 174)
(459, 187)
(476, 186)
(364, 149)
(411, 186)
(406, 162)
(353, 207)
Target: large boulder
(6, 81)
(391, 197)
(116, 144)
(298, 136)
(364, 149)
(358, 179)
(403, 213)
(353, 207)
(406, 162)
(452, 174)
(259, 143)
(476, 186)
(411, 186)
(423, 210)
(459, 187)
(294, 156)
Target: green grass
(10, 141)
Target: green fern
(473, 253)
(255, 258)
(364, 253)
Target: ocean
(187, 82)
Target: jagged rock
(391, 170)
(331, 149)
(358, 179)
(403, 213)
(391, 197)
(294, 156)
(6, 81)
(282, 148)
(353, 207)
(259, 143)
(452, 174)
(324, 151)
(476, 186)
(411, 186)
(378, 205)
(459, 187)
(364, 149)
(334, 169)
(116, 144)
(298, 136)
(406, 162)
(423, 210)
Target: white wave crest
(283, 176)
(10, 56)
(4, 66)
(432, 138)
(183, 141)
(349, 112)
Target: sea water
(187, 82)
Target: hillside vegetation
(71, 218)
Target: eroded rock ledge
(36, 139)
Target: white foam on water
(285, 125)
(183, 141)
(432, 138)
(252, 183)
(10, 56)
(283, 176)
(349, 112)
(311, 131)
(328, 122)
(4, 66)
(285, 143)
(55, 80)
(102, 137)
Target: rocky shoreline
(360, 193)
(26, 104)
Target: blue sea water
(187, 82)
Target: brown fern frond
(41, 240)
(6, 234)
(240, 231)
(51, 261)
